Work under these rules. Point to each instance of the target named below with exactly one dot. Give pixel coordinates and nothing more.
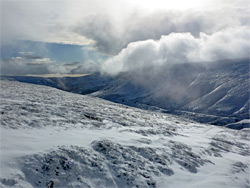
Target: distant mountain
(216, 93)
(52, 138)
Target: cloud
(29, 55)
(177, 48)
(166, 67)
(32, 57)
(113, 24)
(45, 21)
(86, 68)
(103, 31)
(111, 36)
(128, 30)
(27, 65)
(71, 64)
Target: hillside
(53, 138)
(215, 93)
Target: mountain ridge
(219, 90)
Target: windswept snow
(52, 138)
(216, 93)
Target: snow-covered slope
(52, 138)
(217, 93)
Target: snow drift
(52, 138)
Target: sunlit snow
(52, 138)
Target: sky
(113, 36)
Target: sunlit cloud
(113, 27)
(177, 48)
(24, 65)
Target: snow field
(55, 138)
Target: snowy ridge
(221, 90)
(217, 94)
(52, 138)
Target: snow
(240, 125)
(216, 93)
(54, 138)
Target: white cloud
(111, 32)
(181, 48)
(164, 34)
(45, 21)
(110, 25)
(86, 68)
(23, 66)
